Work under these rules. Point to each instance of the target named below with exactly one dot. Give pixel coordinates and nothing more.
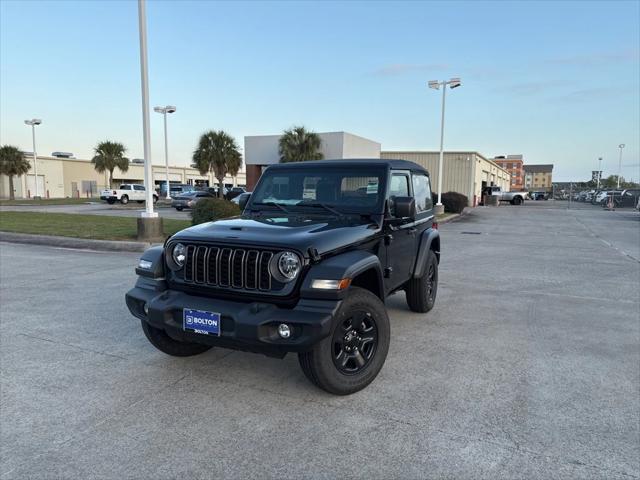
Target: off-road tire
(179, 209)
(111, 201)
(517, 201)
(124, 199)
(155, 199)
(421, 292)
(163, 342)
(318, 364)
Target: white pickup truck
(127, 192)
(514, 198)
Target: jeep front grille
(225, 267)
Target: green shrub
(454, 202)
(209, 209)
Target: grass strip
(96, 227)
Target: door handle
(412, 231)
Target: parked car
(539, 195)
(243, 197)
(234, 192)
(514, 198)
(305, 269)
(601, 196)
(189, 199)
(627, 198)
(126, 193)
(214, 190)
(174, 189)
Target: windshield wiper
(329, 208)
(274, 204)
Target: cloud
(595, 94)
(597, 58)
(406, 68)
(531, 88)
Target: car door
(401, 240)
(139, 192)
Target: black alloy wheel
(354, 343)
(430, 283)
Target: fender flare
(344, 265)
(427, 240)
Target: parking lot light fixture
(164, 111)
(621, 146)
(33, 122)
(599, 171)
(435, 84)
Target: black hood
(287, 231)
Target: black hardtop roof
(356, 162)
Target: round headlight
(288, 266)
(179, 254)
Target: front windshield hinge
(313, 254)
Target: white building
(262, 150)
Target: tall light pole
(144, 77)
(435, 84)
(164, 111)
(33, 122)
(621, 146)
(599, 171)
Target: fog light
(145, 307)
(284, 331)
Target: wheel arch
(429, 241)
(362, 267)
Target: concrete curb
(448, 219)
(72, 242)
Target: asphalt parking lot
(528, 367)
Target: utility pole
(435, 84)
(621, 146)
(33, 122)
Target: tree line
(217, 152)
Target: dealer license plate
(198, 321)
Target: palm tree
(298, 145)
(219, 153)
(108, 156)
(12, 163)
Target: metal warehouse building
(74, 178)
(464, 172)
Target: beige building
(72, 177)
(538, 177)
(463, 172)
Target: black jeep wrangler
(306, 268)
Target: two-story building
(538, 177)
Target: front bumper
(244, 326)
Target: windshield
(346, 190)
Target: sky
(558, 82)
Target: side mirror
(404, 207)
(242, 202)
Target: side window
(125, 187)
(422, 193)
(399, 185)
(138, 187)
